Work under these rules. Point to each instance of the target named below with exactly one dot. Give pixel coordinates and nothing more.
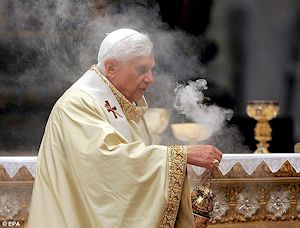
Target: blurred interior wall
(259, 42)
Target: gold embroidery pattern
(131, 111)
(177, 166)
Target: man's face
(132, 77)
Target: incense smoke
(190, 102)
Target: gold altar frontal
(264, 198)
(15, 196)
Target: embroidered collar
(131, 110)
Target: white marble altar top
(248, 161)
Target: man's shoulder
(76, 99)
(73, 93)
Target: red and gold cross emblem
(112, 109)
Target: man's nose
(149, 77)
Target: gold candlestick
(262, 111)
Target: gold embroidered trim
(131, 111)
(177, 167)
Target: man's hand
(203, 155)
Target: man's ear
(110, 66)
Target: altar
(252, 190)
(16, 182)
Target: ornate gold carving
(271, 190)
(177, 168)
(262, 196)
(278, 203)
(220, 206)
(15, 196)
(298, 206)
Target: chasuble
(97, 167)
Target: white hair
(123, 45)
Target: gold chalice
(262, 111)
(191, 132)
(157, 121)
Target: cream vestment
(97, 168)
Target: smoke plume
(190, 102)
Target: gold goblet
(262, 111)
(157, 120)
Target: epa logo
(10, 223)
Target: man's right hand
(203, 155)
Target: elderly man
(96, 165)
